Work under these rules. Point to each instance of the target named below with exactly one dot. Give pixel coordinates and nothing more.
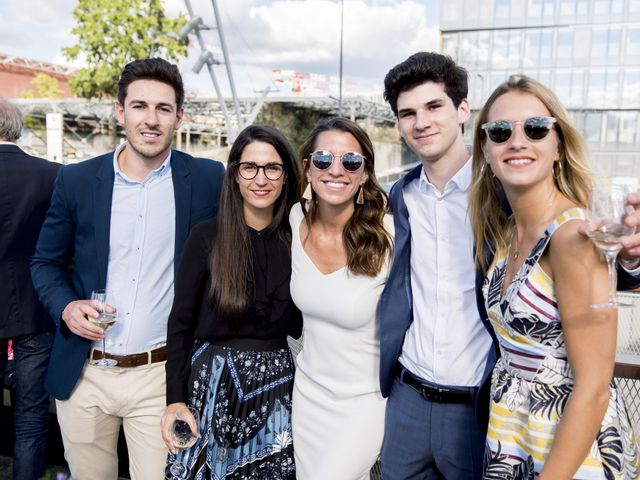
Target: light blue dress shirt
(141, 258)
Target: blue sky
(300, 35)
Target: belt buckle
(430, 393)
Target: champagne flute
(607, 209)
(182, 436)
(103, 301)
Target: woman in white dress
(341, 246)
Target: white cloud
(305, 35)
(301, 35)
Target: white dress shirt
(447, 343)
(141, 256)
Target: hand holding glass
(182, 435)
(607, 209)
(103, 301)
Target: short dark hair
(151, 69)
(425, 67)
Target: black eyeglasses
(351, 161)
(249, 170)
(535, 128)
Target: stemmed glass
(104, 301)
(182, 436)
(607, 209)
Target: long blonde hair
(486, 202)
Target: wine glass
(103, 301)
(182, 436)
(607, 209)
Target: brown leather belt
(133, 360)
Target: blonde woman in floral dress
(555, 411)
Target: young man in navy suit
(436, 344)
(26, 186)
(120, 221)
(437, 347)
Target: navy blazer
(26, 184)
(72, 254)
(395, 310)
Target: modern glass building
(588, 51)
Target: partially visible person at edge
(27, 184)
(437, 345)
(555, 411)
(121, 220)
(227, 340)
(341, 250)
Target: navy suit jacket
(26, 184)
(72, 254)
(395, 310)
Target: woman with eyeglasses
(227, 352)
(341, 247)
(555, 411)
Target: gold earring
(307, 195)
(557, 172)
(360, 198)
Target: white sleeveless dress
(338, 411)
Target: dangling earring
(360, 198)
(557, 172)
(307, 195)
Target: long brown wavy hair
(231, 256)
(572, 179)
(367, 242)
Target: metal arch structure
(206, 115)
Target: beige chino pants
(90, 419)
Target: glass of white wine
(104, 302)
(607, 209)
(183, 436)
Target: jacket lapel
(102, 197)
(182, 192)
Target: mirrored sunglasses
(535, 128)
(351, 161)
(249, 170)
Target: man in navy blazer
(120, 221)
(437, 347)
(26, 184)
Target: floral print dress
(532, 380)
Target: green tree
(44, 86)
(112, 33)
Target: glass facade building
(587, 51)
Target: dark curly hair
(425, 67)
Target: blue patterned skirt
(243, 393)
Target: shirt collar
(461, 180)
(4, 142)
(162, 170)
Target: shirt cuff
(631, 266)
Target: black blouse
(271, 313)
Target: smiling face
(336, 186)
(429, 121)
(259, 194)
(521, 161)
(150, 117)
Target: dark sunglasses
(351, 161)
(535, 128)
